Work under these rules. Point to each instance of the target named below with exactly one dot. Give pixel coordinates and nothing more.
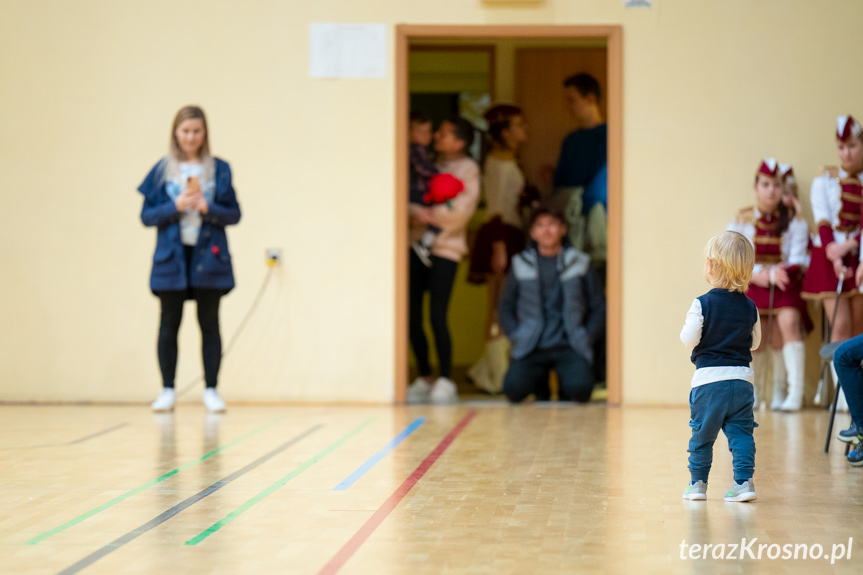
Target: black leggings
(438, 281)
(208, 318)
(211, 340)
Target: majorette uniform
(773, 248)
(837, 201)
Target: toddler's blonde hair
(731, 257)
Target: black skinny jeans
(207, 301)
(438, 281)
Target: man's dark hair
(584, 83)
(548, 210)
(464, 131)
(420, 117)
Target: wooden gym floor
(472, 489)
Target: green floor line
(275, 486)
(71, 523)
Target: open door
(544, 65)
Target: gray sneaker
(741, 491)
(696, 492)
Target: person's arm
(458, 212)
(564, 167)
(797, 242)
(821, 211)
(756, 332)
(154, 212)
(508, 306)
(226, 211)
(690, 335)
(595, 323)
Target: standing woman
(502, 235)
(837, 197)
(189, 198)
(781, 238)
(452, 142)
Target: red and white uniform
(837, 206)
(773, 248)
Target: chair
(826, 354)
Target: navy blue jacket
(211, 260)
(521, 311)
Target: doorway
(539, 56)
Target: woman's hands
(762, 278)
(780, 277)
(192, 197)
(839, 268)
(777, 275)
(202, 205)
(837, 251)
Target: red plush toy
(442, 189)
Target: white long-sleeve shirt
(690, 335)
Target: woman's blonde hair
(732, 258)
(171, 162)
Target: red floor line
(348, 550)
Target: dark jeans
(847, 360)
(725, 405)
(530, 375)
(438, 281)
(172, 302)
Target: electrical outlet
(274, 255)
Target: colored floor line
(73, 442)
(72, 522)
(180, 507)
(374, 459)
(274, 487)
(360, 537)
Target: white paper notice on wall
(637, 3)
(347, 50)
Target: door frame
(613, 36)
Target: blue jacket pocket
(164, 263)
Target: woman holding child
(452, 142)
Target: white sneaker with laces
(212, 400)
(165, 401)
(443, 392)
(418, 391)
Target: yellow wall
(87, 90)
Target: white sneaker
(165, 401)
(213, 401)
(418, 391)
(443, 392)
